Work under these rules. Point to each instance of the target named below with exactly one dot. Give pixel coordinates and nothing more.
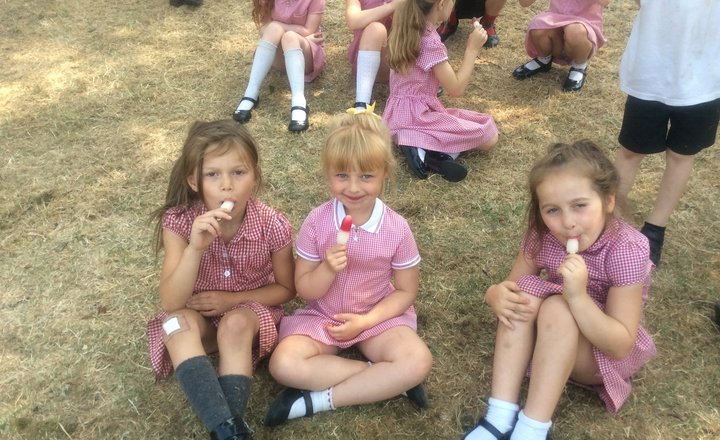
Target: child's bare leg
(546, 40)
(576, 43)
(194, 336)
(235, 335)
(301, 362)
(401, 360)
(678, 169)
(627, 164)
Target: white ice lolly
(344, 232)
(476, 23)
(572, 245)
(227, 205)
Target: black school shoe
(296, 126)
(445, 165)
(280, 407)
(233, 428)
(414, 162)
(242, 116)
(178, 3)
(572, 85)
(522, 71)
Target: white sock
(321, 401)
(295, 67)
(545, 60)
(577, 76)
(262, 62)
(368, 64)
(501, 414)
(533, 65)
(421, 154)
(530, 429)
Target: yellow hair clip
(369, 109)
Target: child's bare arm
(453, 82)
(313, 278)
(358, 19)
(311, 26)
(526, 3)
(179, 272)
(506, 299)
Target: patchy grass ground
(95, 100)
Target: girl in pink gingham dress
(581, 321)
(358, 294)
(430, 135)
(227, 269)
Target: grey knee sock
(199, 381)
(237, 391)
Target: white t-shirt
(673, 53)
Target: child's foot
(532, 68)
(445, 165)
(234, 428)
(485, 430)
(299, 118)
(656, 238)
(447, 28)
(493, 38)
(292, 403)
(417, 396)
(243, 112)
(414, 162)
(575, 79)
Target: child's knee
(576, 33)
(240, 323)
(375, 32)
(555, 314)
(178, 324)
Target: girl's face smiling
(571, 208)
(357, 191)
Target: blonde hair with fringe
(407, 29)
(358, 141)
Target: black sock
(237, 391)
(199, 381)
(656, 238)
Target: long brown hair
(585, 159)
(261, 11)
(218, 136)
(408, 26)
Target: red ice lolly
(344, 232)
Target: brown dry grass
(95, 99)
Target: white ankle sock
(295, 68)
(368, 64)
(530, 429)
(262, 62)
(501, 414)
(545, 60)
(577, 76)
(321, 401)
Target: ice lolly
(227, 205)
(572, 245)
(344, 232)
(476, 23)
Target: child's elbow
(621, 351)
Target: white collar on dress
(373, 223)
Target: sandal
(491, 429)
(242, 116)
(297, 126)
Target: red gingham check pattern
(243, 264)
(619, 257)
(416, 117)
(374, 250)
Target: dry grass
(95, 99)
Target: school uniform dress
(354, 47)
(564, 12)
(245, 263)
(296, 12)
(416, 117)
(619, 257)
(377, 248)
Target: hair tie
(369, 109)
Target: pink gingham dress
(416, 117)
(243, 264)
(354, 47)
(564, 12)
(296, 12)
(619, 257)
(383, 244)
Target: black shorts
(645, 127)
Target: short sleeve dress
(619, 257)
(245, 263)
(354, 47)
(296, 12)
(383, 244)
(564, 12)
(416, 117)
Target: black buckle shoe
(414, 162)
(418, 396)
(280, 407)
(572, 85)
(298, 126)
(445, 165)
(242, 116)
(523, 71)
(233, 428)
